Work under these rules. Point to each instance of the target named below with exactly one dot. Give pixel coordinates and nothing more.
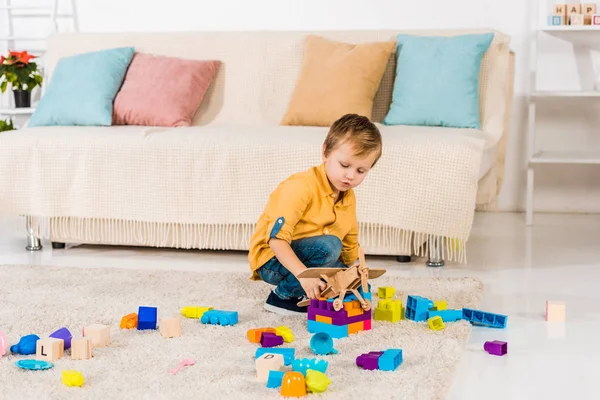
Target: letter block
(99, 334)
(81, 349)
(596, 19)
(588, 10)
(49, 349)
(577, 19)
(268, 362)
(170, 327)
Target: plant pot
(22, 98)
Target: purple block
(369, 360)
(496, 347)
(65, 335)
(338, 318)
(269, 339)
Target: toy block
(220, 317)
(436, 323)
(353, 312)
(576, 19)
(440, 305)
(417, 308)
(81, 349)
(388, 310)
(170, 327)
(595, 19)
(554, 20)
(385, 292)
(304, 364)
(573, 8)
(588, 10)
(268, 362)
(72, 378)
(288, 353)
(254, 335)
(335, 331)
(147, 317)
(555, 311)
(477, 317)
(316, 381)
(26, 345)
(369, 360)
(352, 305)
(64, 334)
(293, 385)
(355, 327)
(496, 347)
(99, 334)
(367, 324)
(194, 311)
(390, 360)
(560, 10)
(129, 321)
(49, 349)
(321, 318)
(285, 333)
(447, 315)
(268, 339)
(275, 379)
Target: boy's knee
(332, 248)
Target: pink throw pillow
(162, 91)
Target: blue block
(477, 317)
(390, 360)
(447, 315)
(288, 353)
(335, 331)
(219, 317)
(555, 19)
(417, 308)
(147, 318)
(275, 379)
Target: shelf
(17, 111)
(566, 157)
(566, 93)
(569, 28)
(9, 38)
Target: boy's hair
(356, 130)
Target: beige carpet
(136, 364)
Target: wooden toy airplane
(341, 281)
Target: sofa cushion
(336, 79)
(437, 80)
(83, 88)
(162, 91)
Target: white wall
(566, 123)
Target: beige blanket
(200, 178)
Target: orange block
(254, 334)
(355, 311)
(355, 327)
(352, 305)
(321, 318)
(129, 321)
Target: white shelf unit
(537, 157)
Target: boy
(310, 218)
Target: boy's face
(344, 169)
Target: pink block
(367, 324)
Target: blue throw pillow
(437, 80)
(83, 88)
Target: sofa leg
(403, 259)
(33, 242)
(58, 245)
(434, 252)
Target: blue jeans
(314, 252)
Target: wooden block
(170, 327)
(588, 9)
(554, 20)
(49, 349)
(560, 9)
(595, 19)
(555, 311)
(573, 8)
(321, 318)
(81, 349)
(268, 362)
(99, 334)
(576, 19)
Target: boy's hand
(312, 286)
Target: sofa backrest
(259, 69)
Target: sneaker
(284, 307)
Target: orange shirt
(303, 206)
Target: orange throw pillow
(336, 79)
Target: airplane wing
(376, 273)
(316, 272)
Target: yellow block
(386, 292)
(436, 323)
(440, 305)
(285, 333)
(194, 311)
(321, 318)
(388, 310)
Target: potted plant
(18, 70)
(6, 125)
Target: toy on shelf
(268, 339)
(49, 349)
(72, 378)
(81, 349)
(555, 311)
(170, 327)
(417, 308)
(288, 353)
(147, 318)
(436, 323)
(496, 347)
(477, 317)
(26, 345)
(129, 321)
(341, 281)
(34, 365)
(194, 311)
(186, 362)
(268, 362)
(596, 19)
(219, 317)
(65, 335)
(321, 344)
(293, 385)
(99, 334)
(388, 360)
(572, 14)
(3, 344)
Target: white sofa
(165, 187)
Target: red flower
(2, 58)
(15, 57)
